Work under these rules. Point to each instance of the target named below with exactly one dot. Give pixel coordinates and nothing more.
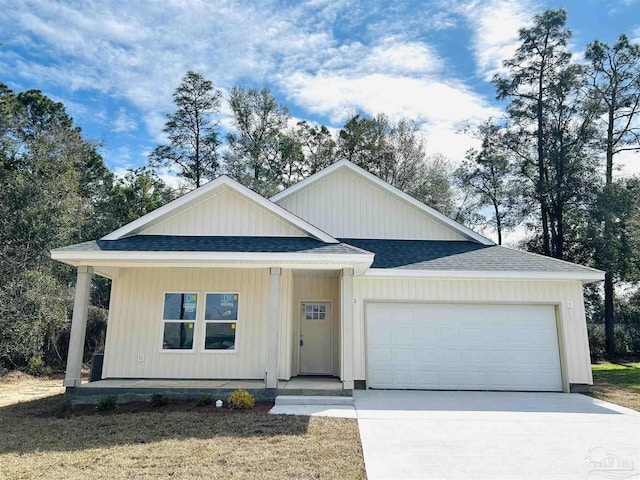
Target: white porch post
(347, 328)
(72, 377)
(274, 326)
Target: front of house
(341, 275)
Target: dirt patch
(18, 387)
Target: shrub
(159, 400)
(110, 402)
(36, 367)
(241, 400)
(206, 399)
(65, 407)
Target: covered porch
(294, 325)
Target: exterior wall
(574, 330)
(135, 324)
(314, 288)
(225, 212)
(347, 206)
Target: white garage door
(462, 347)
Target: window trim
(202, 343)
(194, 321)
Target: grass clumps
(159, 400)
(110, 402)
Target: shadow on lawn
(38, 426)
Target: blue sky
(115, 64)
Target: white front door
(315, 338)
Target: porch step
(313, 400)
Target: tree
(489, 176)
(51, 179)
(531, 73)
(192, 132)
(364, 141)
(258, 150)
(397, 155)
(318, 146)
(614, 72)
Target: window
(220, 320)
(315, 312)
(178, 320)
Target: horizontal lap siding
(345, 205)
(486, 291)
(225, 213)
(135, 324)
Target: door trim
(298, 329)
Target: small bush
(36, 367)
(159, 400)
(241, 400)
(110, 402)
(206, 399)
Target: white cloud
(495, 25)
(139, 56)
(124, 122)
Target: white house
(340, 275)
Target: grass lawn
(617, 383)
(177, 441)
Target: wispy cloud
(495, 25)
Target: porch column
(72, 376)
(347, 328)
(274, 326)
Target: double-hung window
(178, 320)
(220, 321)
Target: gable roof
(430, 212)
(186, 201)
(447, 258)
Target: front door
(315, 339)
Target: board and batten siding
(311, 288)
(225, 212)
(346, 205)
(573, 325)
(135, 324)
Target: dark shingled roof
(457, 255)
(176, 243)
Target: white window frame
(205, 322)
(164, 321)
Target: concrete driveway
(491, 435)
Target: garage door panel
(475, 347)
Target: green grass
(625, 375)
(617, 383)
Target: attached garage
(439, 346)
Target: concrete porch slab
(337, 411)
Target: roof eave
(586, 276)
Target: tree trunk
(608, 316)
(609, 313)
(540, 184)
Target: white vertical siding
(345, 205)
(225, 212)
(575, 341)
(135, 324)
(310, 288)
